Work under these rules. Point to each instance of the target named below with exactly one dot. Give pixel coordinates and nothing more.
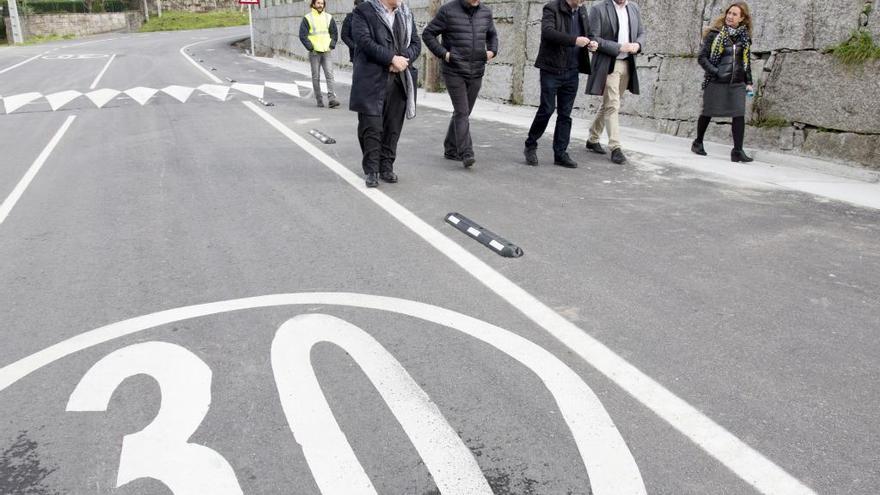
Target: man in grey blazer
(616, 25)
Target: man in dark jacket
(562, 56)
(469, 41)
(616, 25)
(317, 32)
(346, 32)
(383, 90)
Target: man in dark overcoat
(383, 90)
(616, 25)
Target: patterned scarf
(729, 37)
(401, 36)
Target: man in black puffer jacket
(562, 56)
(469, 41)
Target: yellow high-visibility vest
(319, 30)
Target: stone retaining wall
(78, 24)
(819, 106)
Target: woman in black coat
(725, 56)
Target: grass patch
(770, 121)
(857, 50)
(177, 20)
(36, 40)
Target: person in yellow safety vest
(318, 34)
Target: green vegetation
(770, 121)
(36, 40)
(30, 7)
(857, 50)
(174, 20)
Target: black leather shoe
(531, 157)
(452, 156)
(333, 103)
(320, 104)
(596, 148)
(468, 161)
(372, 180)
(740, 156)
(565, 161)
(697, 147)
(389, 177)
(617, 156)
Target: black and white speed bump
(485, 237)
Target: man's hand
(630, 48)
(399, 64)
(582, 41)
(594, 45)
(490, 55)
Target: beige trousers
(606, 117)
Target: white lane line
(13, 197)
(101, 74)
(24, 62)
(196, 64)
(330, 457)
(747, 463)
(609, 463)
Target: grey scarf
(405, 18)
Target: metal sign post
(17, 35)
(250, 4)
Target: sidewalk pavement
(831, 180)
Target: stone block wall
(78, 24)
(819, 106)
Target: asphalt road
(207, 272)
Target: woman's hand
(750, 88)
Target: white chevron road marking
(255, 90)
(58, 100)
(101, 97)
(215, 90)
(14, 102)
(179, 93)
(286, 88)
(143, 95)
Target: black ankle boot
(739, 156)
(697, 147)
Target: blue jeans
(558, 92)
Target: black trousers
(558, 92)
(378, 134)
(463, 92)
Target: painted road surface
(200, 297)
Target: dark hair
(358, 2)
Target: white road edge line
(24, 62)
(16, 193)
(196, 64)
(747, 463)
(101, 74)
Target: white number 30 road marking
(161, 450)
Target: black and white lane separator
(484, 236)
(320, 136)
